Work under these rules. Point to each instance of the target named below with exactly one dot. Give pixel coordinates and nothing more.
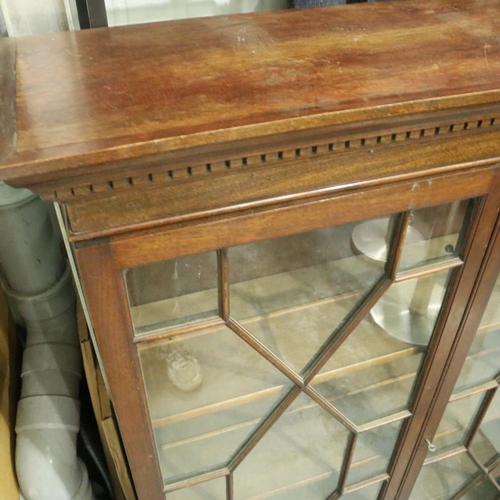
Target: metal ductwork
(39, 287)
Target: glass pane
(206, 392)
(173, 293)
(456, 421)
(211, 490)
(372, 453)
(371, 238)
(298, 458)
(433, 233)
(316, 488)
(363, 382)
(292, 292)
(372, 373)
(486, 443)
(495, 473)
(441, 480)
(485, 491)
(483, 359)
(408, 310)
(369, 493)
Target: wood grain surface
(108, 213)
(104, 291)
(97, 96)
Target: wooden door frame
(485, 256)
(107, 302)
(447, 353)
(101, 265)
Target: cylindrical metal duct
(38, 282)
(29, 247)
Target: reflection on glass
(369, 493)
(495, 473)
(372, 238)
(434, 233)
(372, 373)
(482, 366)
(486, 443)
(372, 453)
(173, 293)
(292, 292)
(317, 489)
(206, 392)
(408, 310)
(444, 478)
(370, 376)
(298, 458)
(456, 422)
(483, 359)
(485, 491)
(211, 490)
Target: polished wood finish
(136, 249)
(281, 181)
(91, 99)
(193, 136)
(107, 302)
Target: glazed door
(265, 361)
(464, 457)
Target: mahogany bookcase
(286, 229)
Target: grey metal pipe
(29, 245)
(37, 280)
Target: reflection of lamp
(408, 310)
(371, 238)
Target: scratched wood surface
(97, 96)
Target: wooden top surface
(96, 96)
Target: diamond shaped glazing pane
(299, 457)
(172, 293)
(292, 292)
(206, 392)
(372, 373)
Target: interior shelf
(370, 376)
(372, 349)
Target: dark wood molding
(104, 108)
(243, 187)
(174, 169)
